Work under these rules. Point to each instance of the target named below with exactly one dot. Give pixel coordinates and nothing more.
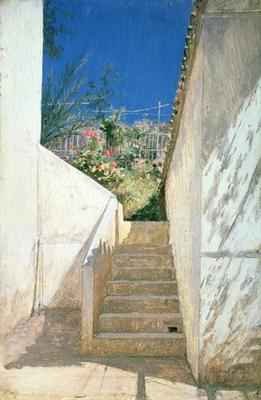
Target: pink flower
(90, 133)
(108, 153)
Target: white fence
(151, 146)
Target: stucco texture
(231, 213)
(70, 204)
(233, 5)
(213, 200)
(183, 210)
(48, 209)
(20, 124)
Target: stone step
(143, 248)
(128, 288)
(138, 344)
(144, 274)
(142, 304)
(142, 261)
(140, 322)
(152, 233)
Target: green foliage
(114, 133)
(93, 162)
(131, 149)
(151, 211)
(135, 187)
(138, 186)
(134, 134)
(62, 112)
(135, 182)
(127, 157)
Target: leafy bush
(136, 188)
(134, 181)
(126, 159)
(151, 211)
(114, 134)
(99, 164)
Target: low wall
(70, 204)
(96, 270)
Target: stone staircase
(140, 314)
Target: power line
(124, 111)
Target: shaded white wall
(230, 339)
(230, 272)
(213, 197)
(183, 188)
(48, 209)
(70, 204)
(20, 124)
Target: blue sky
(142, 39)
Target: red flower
(90, 133)
(108, 153)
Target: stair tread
(115, 267)
(144, 247)
(141, 297)
(142, 282)
(130, 315)
(141, 255)
(112, 335)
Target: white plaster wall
(231, 320)
(231, 184)
(70, 204)
(231, 225)
(230, 324)
(20, 124)
(183, 203)
(213, 195)
(48, 209)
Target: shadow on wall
(51, 337)
(68, 293)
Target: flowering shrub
(127, 158)
(92, 137)
(100, 166)
(108, 153)
(125, 171)
(89, 133)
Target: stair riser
(142, 347)
(143, 249)
(142, 262)
(128, 289)
(142, 306)
(138, 325)
(134, 274)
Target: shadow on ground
(52, 339)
